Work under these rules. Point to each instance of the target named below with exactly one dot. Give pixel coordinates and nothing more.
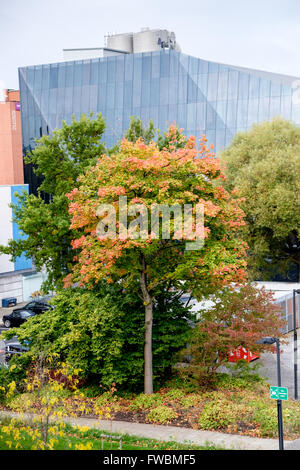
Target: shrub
(105, 399)
(161, 414)
(175, 394)
(190, 400)
(216, 415)
(266, 417)
(101, 333)
(20, 402)
(144, 401)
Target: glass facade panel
(166, 86)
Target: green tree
(137, 131)
(58, 159)
(264, 165)
(148, 176)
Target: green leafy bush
(161, 414)
(101, 332)
(216, 415)
(190, 400)
(175, 394)
(144, 401)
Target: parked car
(10, 349)
(20, 315)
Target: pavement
(268, 365)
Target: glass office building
(166, 86)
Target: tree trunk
(148, 302)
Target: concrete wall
(11, 285)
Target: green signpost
(279, 393)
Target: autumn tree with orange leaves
(146, 177)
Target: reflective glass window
(93, 98)
(119, 93)
(146, 67)
(203, 66)
(45, 77)
(264, 109)
(211, 116)
(193, 65)
(275, 89)
(242, 113)
(52, 100)
(154, 114)
(265, 86)
(222, 85)
(296, 113)
(154, 93)
(155, 65)
(212, 87)
(94, 72)
(164, 91)
(201, 115)
(243, 86)
(221, 114)
(163, 118)
(78, 74)
(274, 107)
(202, 87)
(102, 97)
(110, 95)
(146, 89)
(120, 68)
(286, 107)
(192, 88)
(103, 70)
(191, 116)
(85, 99)
(252, 111)
(38, 77)
(61, 81)
(173, 90)
(111, 69)
(232, 85)
(182, 89)
(69, 74)
(213, 67)
(137, 91)
(184, 64)
(77, 99)
(253, 87)
(86, 72)
(231, 113)
(127, 94)
(182, 115)
(165, 64)
(172, 113)
(174, 63)
(137, 67)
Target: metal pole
(295, 347)
(279, 402)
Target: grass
(75, 437)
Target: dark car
(11, 348)
(20, 315)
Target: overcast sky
(262, 34)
